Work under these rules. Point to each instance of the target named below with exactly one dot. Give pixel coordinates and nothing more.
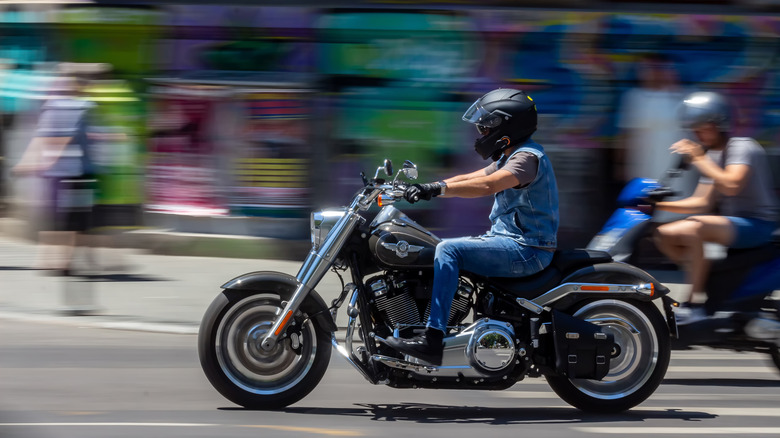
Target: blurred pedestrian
(734, 203)
(647, 120)
(60, 154)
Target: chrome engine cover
(486, 348)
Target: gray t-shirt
(757, 199)
(522, 165)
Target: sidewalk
(157, 290)
(166, 293)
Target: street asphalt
(136, 290)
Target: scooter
(742, 313)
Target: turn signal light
(647, 289)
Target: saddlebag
(582, 350)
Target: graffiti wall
(394, 83)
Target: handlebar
(660, 193)
(383, 191)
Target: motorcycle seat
(563, 262)
(567, 260)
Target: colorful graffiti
(393, 83)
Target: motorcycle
(743, 315)
(586, 323)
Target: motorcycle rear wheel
(239, 368)
(640, 362)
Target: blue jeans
(490, 256)
(750, 233)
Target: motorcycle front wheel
(241, 370)
(639, 360)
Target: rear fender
(618, 273)
(284, 285)
(614, 274)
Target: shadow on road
(120, 277)
(429, 413)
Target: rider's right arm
(467, 176)
(702, 201)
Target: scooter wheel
(775, 353)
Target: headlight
(322, 222)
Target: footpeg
(393, 362)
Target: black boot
(428, 346)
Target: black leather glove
(417, 192)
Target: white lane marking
(719, 411)
(310, 430)
(711, 369)
(724, 356)
(103, 323)
(520, 394)
(178, 329)
(680, 430)
(112, 424)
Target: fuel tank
(398, 242)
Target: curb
(168, 242)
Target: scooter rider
(733, 204)
(524, 217)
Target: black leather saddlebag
(582, 350)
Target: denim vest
(529, 214)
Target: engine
(403, 300)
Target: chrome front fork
(314, 268)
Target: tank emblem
(402, 248)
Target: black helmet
(705, 107)
(504, 116)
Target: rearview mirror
(388, 167)
(410, 170)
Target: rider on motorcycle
(524, 217)
(733, 205)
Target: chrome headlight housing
(322, 222)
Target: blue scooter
(743, 316)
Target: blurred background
(238, 118)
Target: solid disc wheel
(244, 372)
(639, 360)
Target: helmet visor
(484, 119)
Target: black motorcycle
(586, 323)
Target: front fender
(284, 285)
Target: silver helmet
(705, 107)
